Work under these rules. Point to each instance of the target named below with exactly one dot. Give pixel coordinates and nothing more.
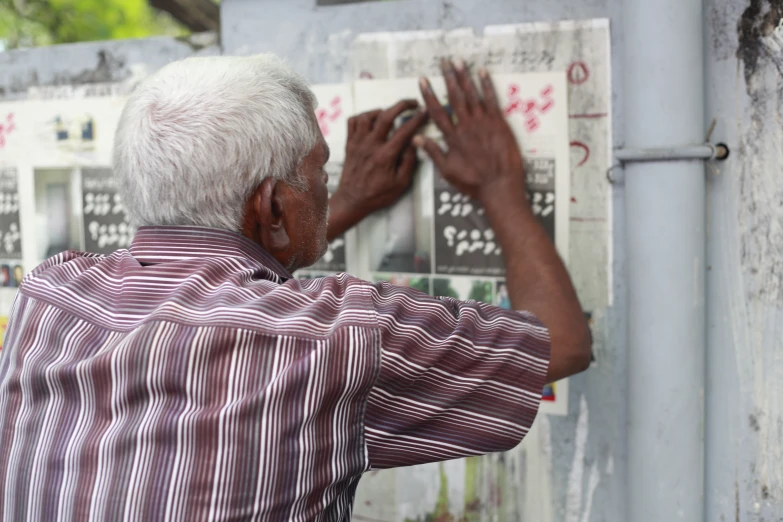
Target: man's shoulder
(335, 290)
(228, 292)
(76, 262)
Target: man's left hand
(378, 166)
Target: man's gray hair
(200, 135)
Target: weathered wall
(581, 472)
(744, 429)
(114, 62)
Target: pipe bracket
(704, 151)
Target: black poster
(106, 226)
(334, 259)
(540, 181)
(10, 233)
(464, 242)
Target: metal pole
(665, 212)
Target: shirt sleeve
(457, 378)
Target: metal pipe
(706, 151)
(665, 227)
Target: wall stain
(753, 422)
(110, 68)
(760, 147)
(759, 19)
(719, 20)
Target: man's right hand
(483, 161)
(378, 167)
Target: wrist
(344, 214)
(507, 192)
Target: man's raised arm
(483, 160)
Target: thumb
(432, 149)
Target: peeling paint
(575, 477)
(761, 145)
(592, 485)
(758, 20)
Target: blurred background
(32, 23)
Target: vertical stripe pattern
(190, 378)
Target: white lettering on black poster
(10, 233)
(464, 241)
(106, 226)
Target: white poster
(335, 106)
(57, 133)
(580, 49)
(458, 242)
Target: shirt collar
(161, 244)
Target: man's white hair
(200, 135)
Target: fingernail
(418, 141)
(424, 83)
(460, 65)
(483, 72)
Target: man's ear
(265, 217)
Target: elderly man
(192, 378)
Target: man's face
(291, 222)
(309, 218)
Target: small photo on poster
(17, 275)
(3, 327)
(422, 284)
(464, 289)
(550, 393)
(6, 278)
(502, 299)
(57, 212)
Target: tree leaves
(28, 23)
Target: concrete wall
(744, 428)
(114, 62)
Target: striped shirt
(191, 378)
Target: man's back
(191, 379)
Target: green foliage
(481, 291)
(443, 288)
(27, 23)
(421, 284)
